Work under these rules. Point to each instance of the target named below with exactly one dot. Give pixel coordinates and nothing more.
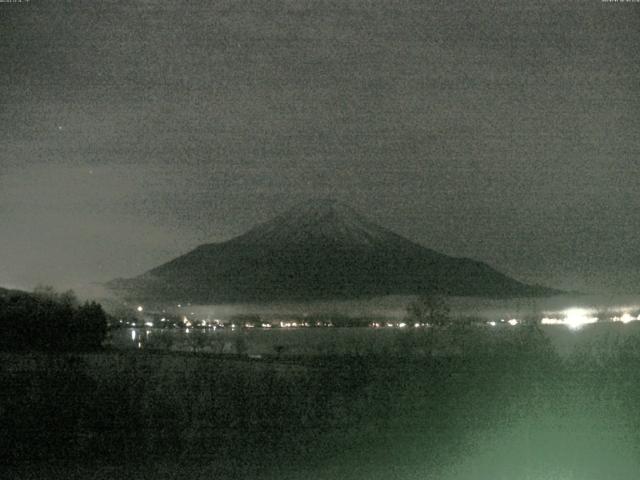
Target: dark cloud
(504, 131)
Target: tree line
(49, 321)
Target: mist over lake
(566, 339)
(394, 306)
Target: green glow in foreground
(581, 447)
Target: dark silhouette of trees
(429, 308)
(50, 321)
(89, 326)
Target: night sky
(132, 131)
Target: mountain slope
(317, 250)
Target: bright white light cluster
(625, 318)
(574, 318)
(513, 322)
(551, 321)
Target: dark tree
(89, 324)
(45, 320)
(429, 308)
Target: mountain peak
(321, 205)
(319, 249)
(317, 221)
(316, 209)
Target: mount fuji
(317, 250)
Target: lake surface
(343, 341)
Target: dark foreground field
(509, 410)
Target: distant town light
(513, 322)
(551, 321)
(575, 318)
(492, 323)
(626, 318)
(140, 308)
